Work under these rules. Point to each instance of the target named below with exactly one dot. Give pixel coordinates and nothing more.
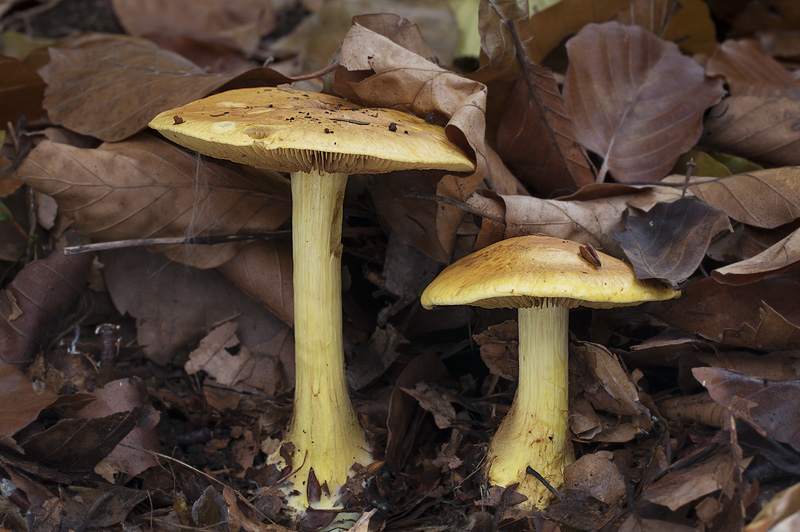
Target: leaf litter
(175, 365)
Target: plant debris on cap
(298, 131)
(520, 272)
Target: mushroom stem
(535, 432)
(324, 429)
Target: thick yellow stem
(535, 432)
(324, 429)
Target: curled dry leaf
(749, 71)
(596, 475)
(241, 22)
(370, 63)
(635, 99)
(33, 304)
(762, 128)
(779, 257)
(772, 408)
(589, 222)
(146, 187)
(21, 91)
(670, 241)
(536, 138)
(765, 198)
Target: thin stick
(317, 74)
(174, 241)
(453, 203)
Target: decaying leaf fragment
(670, 240)
(635, 99)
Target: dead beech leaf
(772, 408)
(552, 25)
(242, 22)
(111, 86)
(176, 306)
(263, 270)
(749, 71)
(762, 128)
(596, 475)
(735, 314)
(124, 395)
(21, 91)
(670, 241)
(21, 403)
(779, 257)
(687, 23)
(782, 506)
(589, 222)
(33, 304)
(765, 198)
(536, 138)
(431, 399)
(688, 484)
(370, 63)
(146, 187)
(635, 99)
(499, 349)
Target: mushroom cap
(298, 131)
(526, 271)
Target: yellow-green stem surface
(535, 432)
(324, 429)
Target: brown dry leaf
(433, 400)
(779, 257)
(750, 72)
(21, 92)
(499, 349)
(763, 128)
(590, 221)
(725, 313)
(33, 304)
(759, 16)
(370, 63)
(242, 22)
(771, 408)
(783, 44)
(176, 306)
(554, 24)
(58, 446)
(765, 198)
(263, 270)
(611, 388)
(124, 395)
(687, 23)
(536, 138)
(596, 475)
(635, 99)
(146, 187)
(21, 402)
(241, 371)
(670, 241)
(111, 86)
(688, 484)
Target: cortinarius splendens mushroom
(320, 139)
(543, 277)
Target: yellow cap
(299, 131)
(524, 271)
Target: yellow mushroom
(543, 277)
(319, 139)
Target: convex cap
(522, 272)
(299, 131)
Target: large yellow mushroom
(543, 277)
(320, 140)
